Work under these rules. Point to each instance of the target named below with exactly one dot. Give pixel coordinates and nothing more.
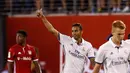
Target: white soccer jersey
(75, 55)
(127, 41)
(115, 60)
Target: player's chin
(75, 37)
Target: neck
(22, 44)
(116, 41)
(79, 40)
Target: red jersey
(22, 58)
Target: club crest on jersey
(19, 52)
(29, 52)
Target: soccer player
(77, 50)
(115, 53)
(21, 55)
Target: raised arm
(47, 24)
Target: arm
(37, 67)
(10, 67)
(99, 59)
(92, 60)
(36, 64)
(10, 61)
(97, 68)
(91, 55)
(47, 24)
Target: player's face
(20, 39)
(76, 32)
(119, 33)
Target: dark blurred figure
(116, 5)
(102, 5)
(79, 5)
(126, 7)
(52, 6)
(128, 40)
(24, 6)
(128, 36)
(2, 6)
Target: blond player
(114, 55)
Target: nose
(73, 33)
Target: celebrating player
(77, 50)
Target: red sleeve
(11, 55)
(34, 55)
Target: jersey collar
(114, 45)
(76, 41)
(22, 46)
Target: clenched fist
(40, 13)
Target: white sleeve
(91, 52)
(129, 56)
(100, 55)
(63, 38)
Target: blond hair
(118, 24)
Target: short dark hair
(77, 25)
(128, 36)
(24, 33)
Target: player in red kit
(21, 55)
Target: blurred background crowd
(64, 6)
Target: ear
(82, 31)
(112, 31)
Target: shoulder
(127, 44)
(32, 47)
(105, 46)
(14, 47)
(127, 41)
(64, 36)
(88, 44)
(64, 39)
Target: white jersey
(115, 60)
(127, 41)
(75, 55)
